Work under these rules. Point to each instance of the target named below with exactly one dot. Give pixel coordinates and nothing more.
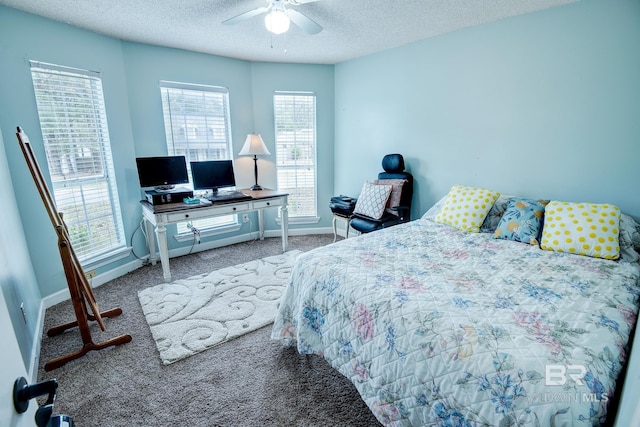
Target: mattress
(435, 326)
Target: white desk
(158, 216)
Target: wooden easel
(79, 288)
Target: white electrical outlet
(245, 217)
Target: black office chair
(393, 165)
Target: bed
(439, 326)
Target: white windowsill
(106, 258)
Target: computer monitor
(212, 174)
(162, 173)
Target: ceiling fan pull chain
(286, 41)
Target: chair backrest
(393, 165)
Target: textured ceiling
(351, 28)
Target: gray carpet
(248, 381)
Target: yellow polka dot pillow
(466, 207)
(582, 228)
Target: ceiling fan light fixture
(277, 22)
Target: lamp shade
(254, 146)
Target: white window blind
(295, 127)
(74, 128)
(197, 125)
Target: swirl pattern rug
(191, 315)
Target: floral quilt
(439, 327)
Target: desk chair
(386, 201)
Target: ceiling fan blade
(303, 22)
(298, 2)
(246, 15)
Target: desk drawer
(261, 204)
(216, 210)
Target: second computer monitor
(212, 174)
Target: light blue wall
(545, 105)
(251, 87)
(542, 105)
(146, 66)
(25, 37)
(17, 278)
(130, 74)
(270, 77)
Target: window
(74, 128)
(197, 125)
(295, 125)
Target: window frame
(303, 144)
(75, 132)
(193, 132)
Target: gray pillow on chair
(372, 201)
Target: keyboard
(227, 196)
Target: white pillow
(373, 200)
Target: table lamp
(254, 146)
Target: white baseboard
(100, 279)
(300, 231)
(37, 345)
(112, 274)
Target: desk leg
(284, 225)
(261, 223)
(161, 233)
(151, 242)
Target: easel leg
(79, 288)
(75, 281)
(62, 360)
(57, 330)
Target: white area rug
(191, 315)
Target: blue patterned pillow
(521, 221)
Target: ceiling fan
(279, 15)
